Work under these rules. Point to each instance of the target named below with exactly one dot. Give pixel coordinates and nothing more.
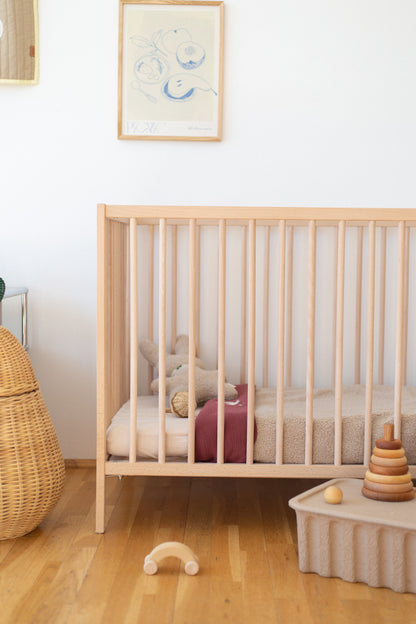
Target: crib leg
(100, 502)
(171, 549)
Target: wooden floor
(242, 530)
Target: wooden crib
(271, 297)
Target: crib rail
(263, 215)
(267, 246)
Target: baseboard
(79, 463)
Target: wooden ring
(391, 445)
(386, 487)
(388, 497)
(393, 453)
(388, 470)
(385, 461)
(378, 478)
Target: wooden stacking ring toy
(388, 477)
(384, 461)
(390, 445)
(386, 487)
(385, 470)
(391, 497)
(390, 454)
(388, 470)
(378, 478)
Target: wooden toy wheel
(150, 566)
(191, 568)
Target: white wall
(319, 110)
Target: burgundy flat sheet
(235, 430)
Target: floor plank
(242, 531)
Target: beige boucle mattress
(353, 405)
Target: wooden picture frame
(170, 70)
(19, 42)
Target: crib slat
(358, 301)
(266, 307)
(289, 296)
(251, 339)
(370, 342)
(335, 293)
(398, 367)
(221, 343)
(162, 341)
(133, 339)
(118, 304)
(151, 294)
(192, 336)
(243, 306)
(406, 303)
(382, 305)
(339, 343)
(311, 344)
(174, 280)
(198, 291)
(281, 344)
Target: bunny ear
(182, 344)
(2, 288)
(231, 392)
(149, 351)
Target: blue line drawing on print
(150, 45)
(189, 53)
(149, 69)
(182, 87)
(153, 68)
(174, 37)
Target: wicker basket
(32, 470)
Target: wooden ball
(333, 495)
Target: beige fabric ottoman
(358, 540)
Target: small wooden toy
(388, 470)
(385, 487)
(392, 497)
(388, 445)
(394, 461)
(388, 477)
(171, 549)
(333, 495)
(388, 454)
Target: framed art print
(19, 49)
(170, 70)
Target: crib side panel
(284, 303)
